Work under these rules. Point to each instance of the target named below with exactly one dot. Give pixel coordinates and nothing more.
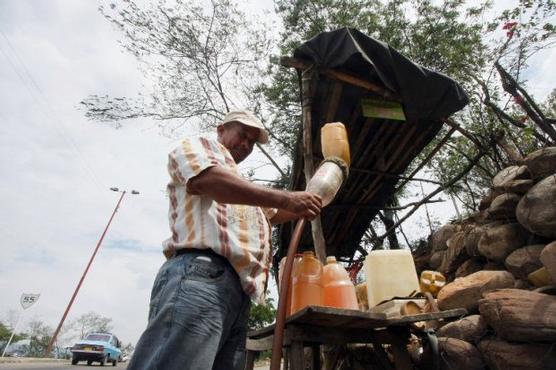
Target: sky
(57, 168)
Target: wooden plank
(362, 135)
(326, 335)
(455, 313)
(342, 76)
(333, 101)
(340, 318)
(262, 344)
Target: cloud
(57, 168)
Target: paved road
(68, 366)
(57, 366)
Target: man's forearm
(225, 187)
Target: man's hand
(226, 187)
(304, 204)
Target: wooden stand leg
(399, 348)
(249, 360)
(316, 356)
(296, 356)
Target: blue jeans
(197, 318)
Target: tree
(39, 333)
(261, 314)
(6, 333)
(127, 349)
(204, 59)
(88, 323)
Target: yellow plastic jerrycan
(334, 141)
(307, 283)
(432, 282)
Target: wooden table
(317, 325)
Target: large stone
(517, 186)
(436, 259)
(441, 236)
(524, 261)
(455, 254)
(520, 315)
(468, 267)
(548, 259)
(456, 354)
(503, 207)
(488, 198)
(465, 292)
(499, 241)
(536, 210)
(470, 329)
(501, 355)
(510, 174)
(541, 163)
(471, 241)
(494, 266)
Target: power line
(37, 94)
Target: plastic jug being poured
(334, 169)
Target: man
(219, 253)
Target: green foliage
(5, 334)
(40, 335)
(261, 314)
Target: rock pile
(488, 260)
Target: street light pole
(53, 339)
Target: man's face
(238, 139)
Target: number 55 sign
(27, 300)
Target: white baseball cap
(248, 119)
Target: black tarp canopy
(351, 68)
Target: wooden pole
(308, 76)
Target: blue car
(97, 347)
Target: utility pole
(53, 339)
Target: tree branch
(271, 160)
(468, 168)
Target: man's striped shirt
(238, 232)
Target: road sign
(27, 300)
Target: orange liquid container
(432, 282)
(334, 141)
(307, 284)
(296, 261)
(338, 289)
